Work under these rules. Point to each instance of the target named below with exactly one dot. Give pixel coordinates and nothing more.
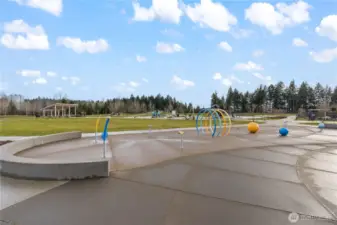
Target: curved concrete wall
(33, 168)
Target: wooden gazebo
(59, 110)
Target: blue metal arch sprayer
(105, 134)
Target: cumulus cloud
(51, 74)
(133, 84)
(227, 82)
(324, 56)
(217, 76)
(51, 6)
(260, 76)
(40, 80)
(180, 83)
(298, 42)
(20, 35)
(276, 18)
(79, 46)
(29, 73)
(163, 10)
(168, 48)
(249, 66)
(140, 58)
(328, 27)
(225, 46)
(236, 79)
(72, 79)
(125, 87)
(209, 14)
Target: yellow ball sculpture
(253, 127)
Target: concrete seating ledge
(46, 169)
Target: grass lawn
(315, 123)
(30, 126)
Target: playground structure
(155, 114)
(213, 121)
(59, 110)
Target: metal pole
(104, 150)
(150, 130)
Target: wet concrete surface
(243, 179)
(266, 156)
(288, 150)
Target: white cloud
(211, 15)
(258, 53)
(19, 35)
(123, 88)
(73, 80)
(145, 80)
(260, 76)
(324, 56)
(275, 19)
(298, 42)
(79, 46)
(328, 27)
(227, 82)
(52, 6)
(51, 74)
(163, 10)
(181, 84)
(133, 84)
(29, 73)
(141, 58)
(167, 48)
(234, 78)
(217, 76)
(40, 80)
(249, 66)
(225, 46)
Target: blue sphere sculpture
(321, 126)
(283, 131)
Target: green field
(30, 126)
(315, 123)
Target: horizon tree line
(272, 98)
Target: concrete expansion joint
(300, 165)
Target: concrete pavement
(239, 179)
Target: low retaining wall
(330, 126)
(47, 169)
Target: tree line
(279, 97)
(272, 98)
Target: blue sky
(108, 48)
